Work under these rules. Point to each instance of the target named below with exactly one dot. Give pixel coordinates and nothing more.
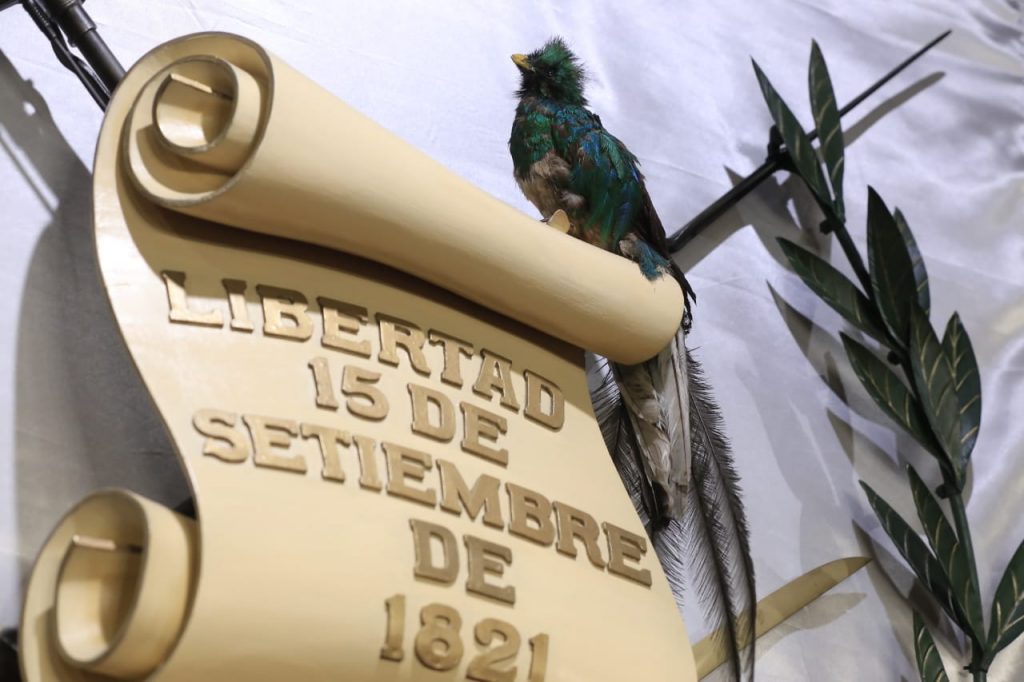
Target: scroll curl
(240, 138)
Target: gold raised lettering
(492, 664)
(359, 383)
(440, 624)
(538, 658)
(423, 532)
(456, 496)
(422, 400)
(342, 324)
(322, 382)
(405, 464)
(526, 506)
(240, 320)
(328, 438)
(454, 349)
(394, 333)
(285, 304)
(268, 435)
(496, 375)
(369, 478)
(551, 415)
(623, 545)
(572, 524)
(217, 425)
(392, 649)
(482, 559)
(480, 423)
(177, 300)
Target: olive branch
(929, 386)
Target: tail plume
(710, 546)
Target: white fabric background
(673, 80)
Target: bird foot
(628, 247)
(560, 221)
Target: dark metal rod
(96, 52)
(44, 22)
(81, 32)
(775, 162)
(722, 204)
(888, 77)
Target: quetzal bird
(662, 427)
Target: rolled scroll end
(194, 125)
(112, 585)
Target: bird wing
(626, 165)
(607, 175)
(604, 172)
(646, 223)
(621, 204)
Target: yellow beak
(522, 62)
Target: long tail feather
(620, 438)
(717, 532)
(712, 543)
(668, 539)
(655, 394)
(670, 545)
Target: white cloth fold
(673, 81)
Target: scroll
(372, 373)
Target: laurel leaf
(834, 288)
(956, 345)
(891, 269)
(890, 393)
(1008, 606)
(830, 132)
(929, 662)
(916, 261)
(914, 551)
(798, 145)
(951, 554)
(936, 388)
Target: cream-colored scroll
(392, 482)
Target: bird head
(552, 72)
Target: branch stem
(963, 533)
(978, 665)
(853, 256)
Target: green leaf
(830, 132)
(929, 662)
(1008, 606)
(889, 393)
(913, 549)
(916, 261)
(956, 345)
(798, 145)
(933, 378)
(835, 289)
(891, 269)
(951, 554)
